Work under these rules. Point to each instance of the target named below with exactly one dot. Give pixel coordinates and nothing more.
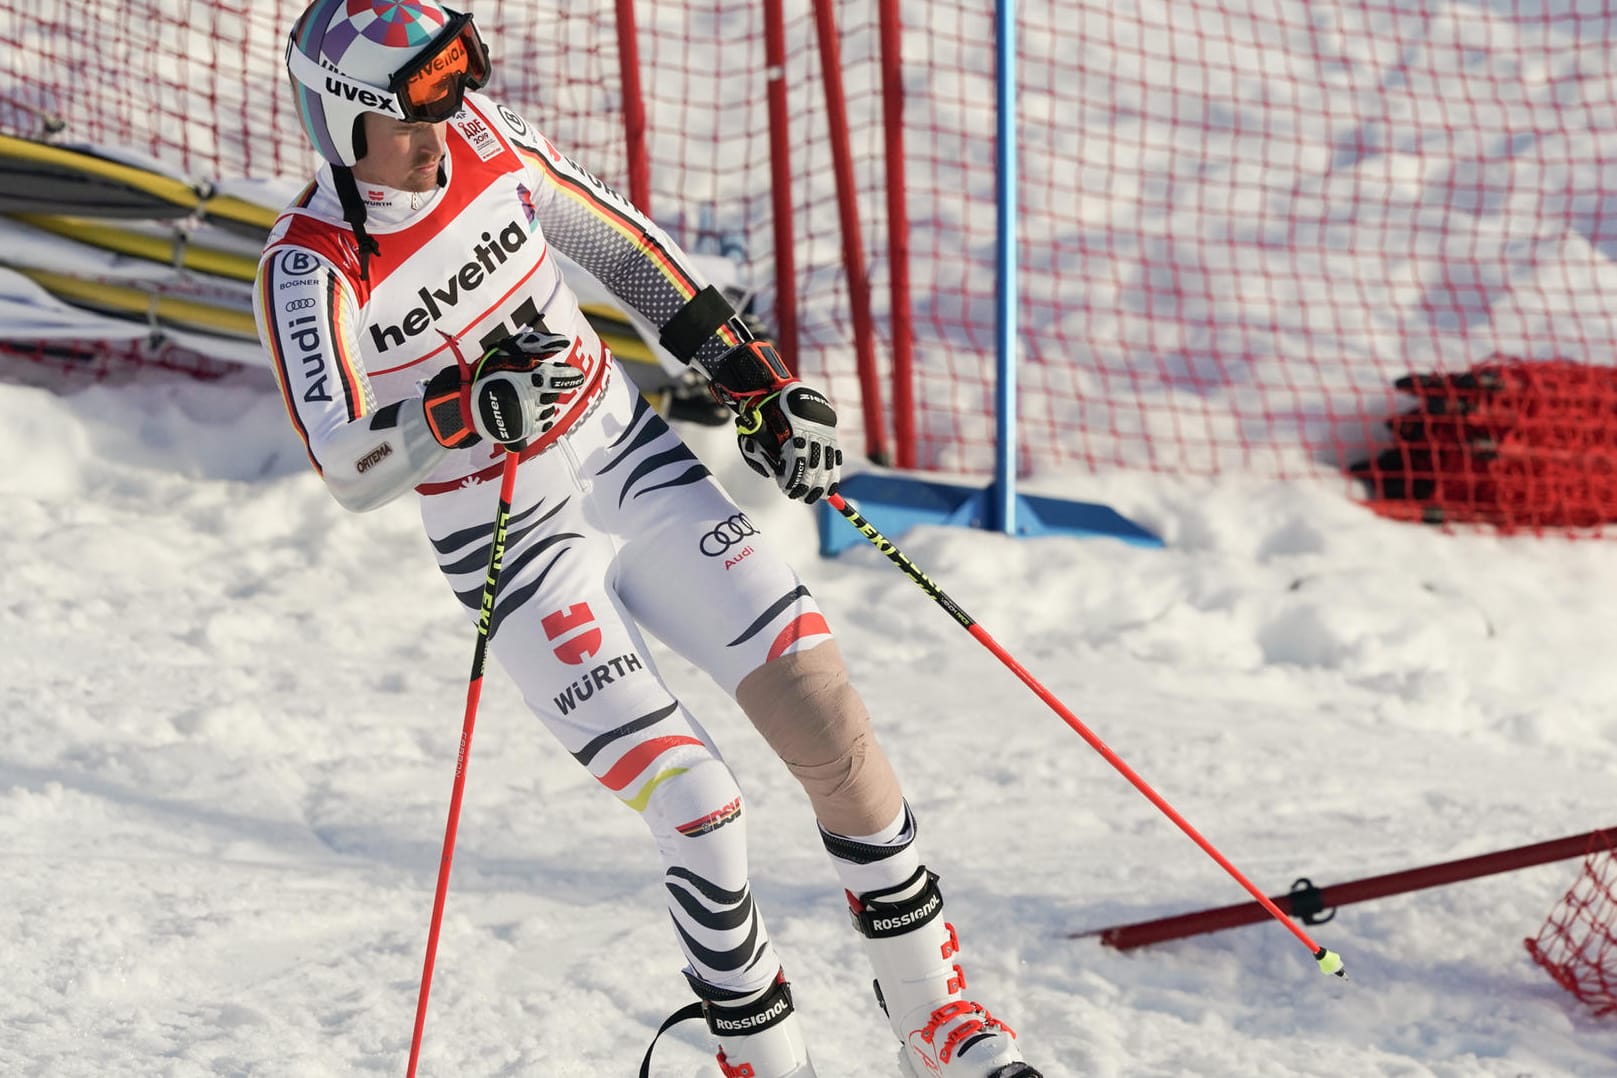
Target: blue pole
(1003, 498)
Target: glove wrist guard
(785, 429)
(447, 402)
(747, 374)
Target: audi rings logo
(726, 534)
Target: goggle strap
(317, 77)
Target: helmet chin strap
(354, 212)
(353, 207)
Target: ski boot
(757, 1031)
(943, 1033)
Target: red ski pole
(474, 690)
(1329, 961)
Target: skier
(419, 331)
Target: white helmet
(409, 59)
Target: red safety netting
(1239, 221)
(1578, 943)
(1510, 443)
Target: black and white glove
(786, 429)
(508, 396)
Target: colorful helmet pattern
(359, 46)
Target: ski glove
(509, 396)
(786, 430)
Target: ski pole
(474, 690)
(1328, 961)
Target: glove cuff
(447, 403)
(747, 373)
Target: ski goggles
(431, 86)
(429, 89)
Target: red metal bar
(1140, 934)
(634, 109)
(853, 253)
(780, 182)
(898, 235)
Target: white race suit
(616, 527)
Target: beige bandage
(811, 716)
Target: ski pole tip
(1330, 962)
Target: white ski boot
(757, 1031)
(943, 1033)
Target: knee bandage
(811, 716)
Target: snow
(230, 712)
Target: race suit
(615, 523)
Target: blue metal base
(894, 504)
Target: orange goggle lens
(432, 87)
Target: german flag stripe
(266, 302)
(800, 629)
(711, 822)
(334, 337)
(630, 229)
(637, 759)
(634, 726)
(642, 797)
(353, 387)
(776, 608)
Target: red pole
(1328, 961)
(853, 254)
(898, 235)
(634, 109)
(474, 691)
(780, 182)
(1307, 902)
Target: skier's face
(400, 155)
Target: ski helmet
(409, 59)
